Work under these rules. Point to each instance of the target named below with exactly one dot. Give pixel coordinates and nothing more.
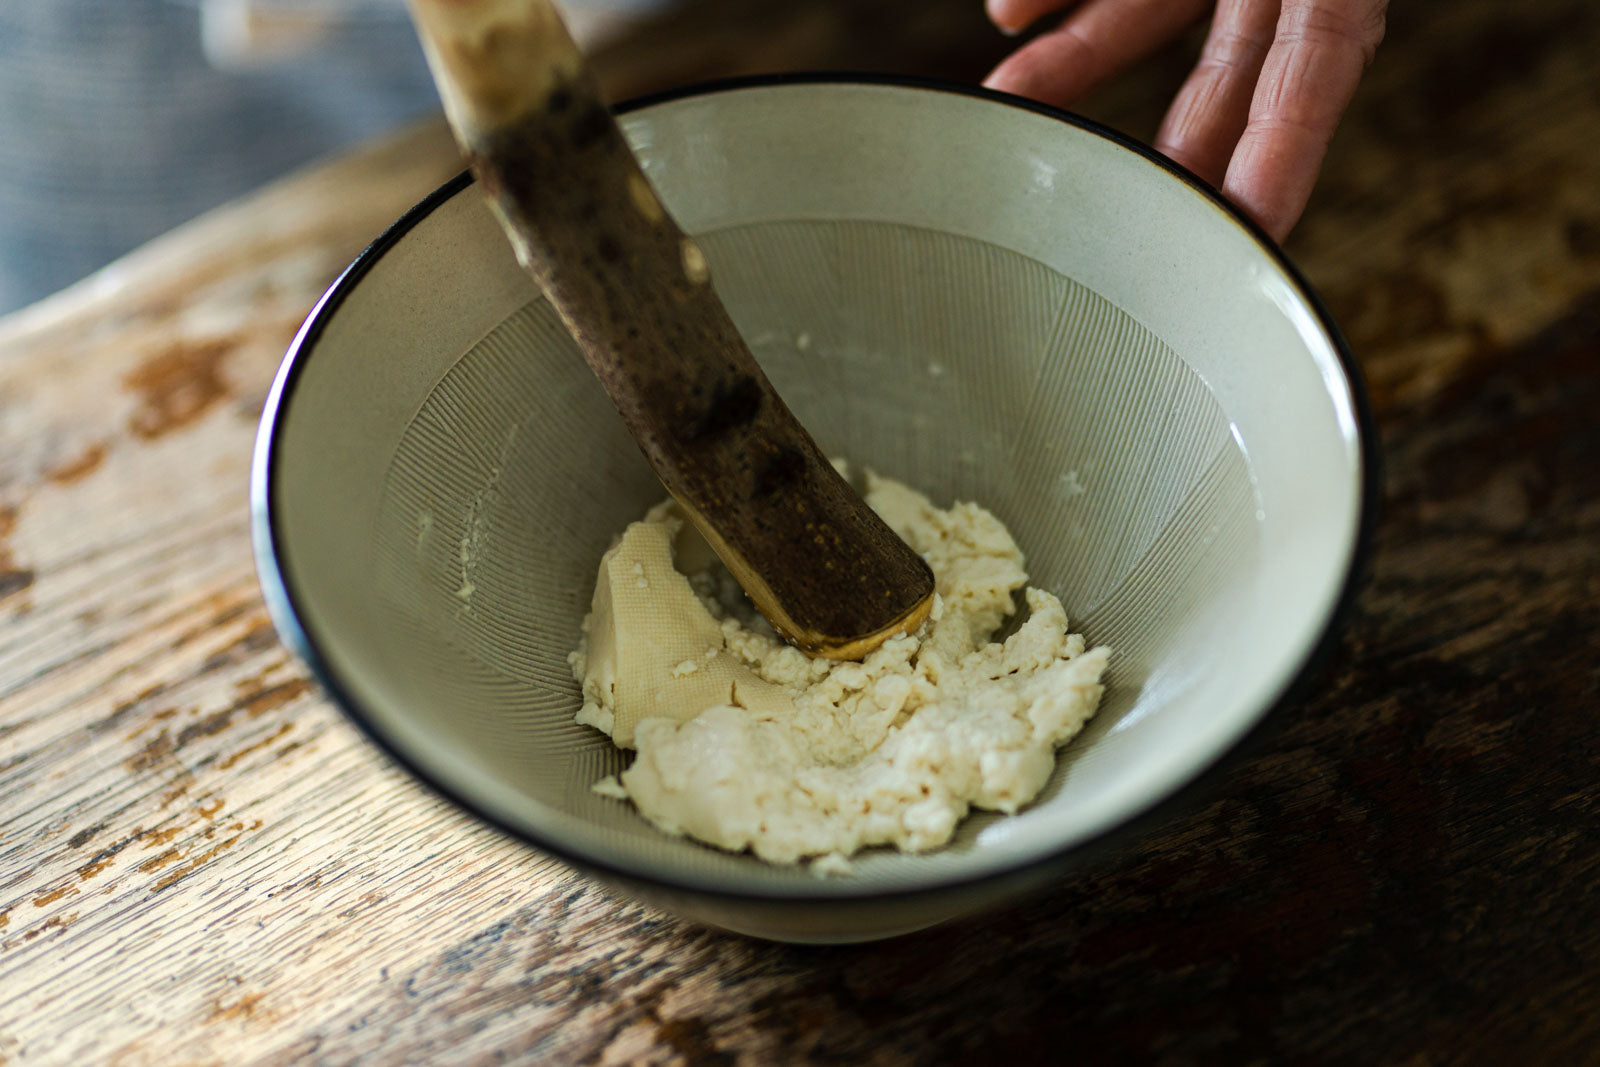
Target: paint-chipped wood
(201, 862)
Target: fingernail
(997, 15)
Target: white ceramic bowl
(986, 299)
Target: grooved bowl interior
(980, 299)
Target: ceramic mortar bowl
(985, 299)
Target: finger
(1209, 113)
(1014, 16)
(1094, 42)
(1321, 50)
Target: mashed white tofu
(744, 742)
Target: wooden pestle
(635, 293)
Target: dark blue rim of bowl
(278, 586)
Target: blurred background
(120, 119)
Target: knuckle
(1344, 24)
(1232, 49)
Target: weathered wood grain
(201, 863)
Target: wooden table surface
(201, 862)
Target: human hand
(1256, 114)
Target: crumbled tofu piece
(744, 742)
